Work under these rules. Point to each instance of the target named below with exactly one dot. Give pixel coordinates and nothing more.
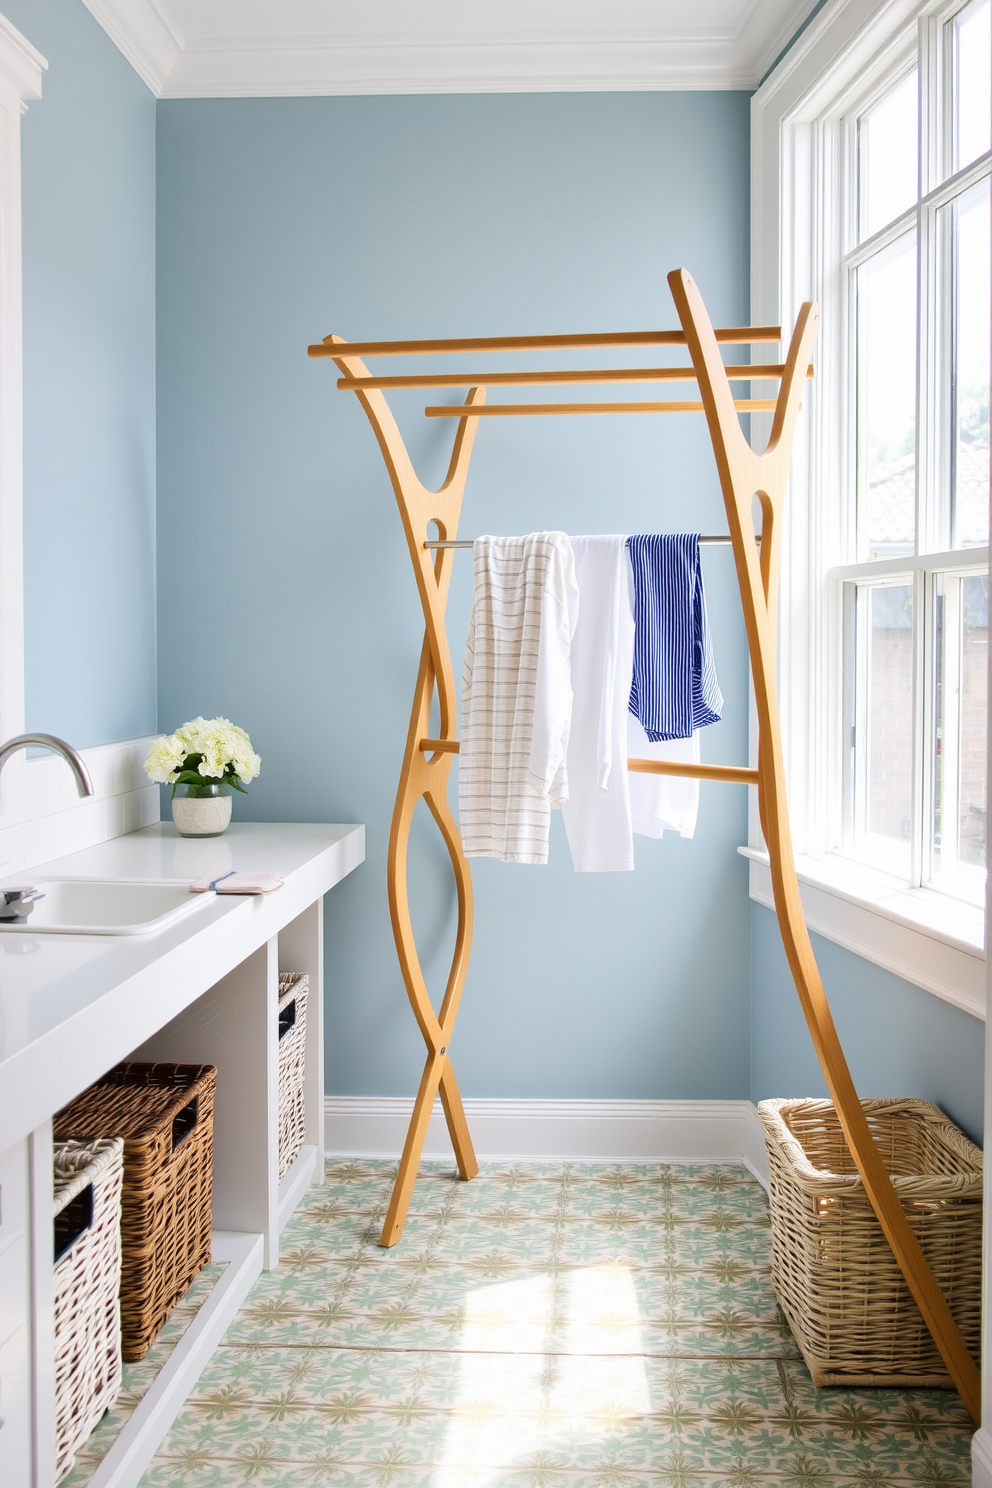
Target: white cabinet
(205, 994)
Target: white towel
(516, 695)
(597, 812)
(660, 803)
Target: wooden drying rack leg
(743, 474)
(427, 779)
(423, 777)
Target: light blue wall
(88, 163)
(286, 596)
(899, 1040)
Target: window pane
(972, 63)
(886, 301)
(888, 150)
(965, 230)
(961, 617)
(879, 713)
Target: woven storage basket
(834, 1274)
(293, 990)
(87, 1281)
(164, 1112)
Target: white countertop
(71, 1006)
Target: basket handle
(72, 1222)
(185, 1122)
(287, 1019)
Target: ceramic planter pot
(201, 810)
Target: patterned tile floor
(545, 1326)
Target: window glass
(881, 714)
(967, 225)
(961, 621)
(888, 152)
(886, 310)
(972, 96)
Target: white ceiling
(266, 48)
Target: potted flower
(203, 761)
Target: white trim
(145, 1428)
(981, 1458)
(138, 30)
(299, 50)
(294, 1183)
(568, 1130)
(883, 932)
(21, 68)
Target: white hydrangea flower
(217, 741)
(165, 759)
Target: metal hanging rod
(333, 346)
(710, 541)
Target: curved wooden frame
(427, 760)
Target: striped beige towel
(516, 695)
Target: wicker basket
(834, 1274)
(293, 990)
(164, 1112)
(87, 1281)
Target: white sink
(100, 906)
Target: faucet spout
(84, 784)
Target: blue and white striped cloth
(674, 689)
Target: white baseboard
(574, 1130)
(981, 1458)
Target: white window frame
(798, 180)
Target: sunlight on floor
(575, 1373)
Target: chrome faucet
(84, 784)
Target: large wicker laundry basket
(834, 1275)
(164, 1113)
(87, 1282)
(293, 991)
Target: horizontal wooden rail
(737, 774)
(514, 410)
(733, 336)
(745, 372)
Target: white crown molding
(139, 30)
(21, 66)
(564, 1130)
(304, 48)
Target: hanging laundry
(516, 695)
(662, 803)
(674, 689)
(597, 812)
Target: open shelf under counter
(203, 991)
(120, 1449)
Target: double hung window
(910, 601)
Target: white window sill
(924, 937)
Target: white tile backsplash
(57, 821)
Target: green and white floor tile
(545, 1326)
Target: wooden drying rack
(427, 760)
